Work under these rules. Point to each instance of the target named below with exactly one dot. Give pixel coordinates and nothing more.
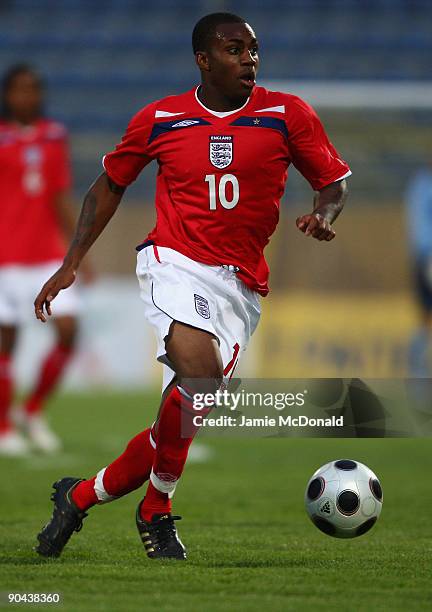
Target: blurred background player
(419, 223)
(35, 219)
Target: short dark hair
(8, 78)
(206, 28)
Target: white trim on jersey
(346, 175)
(161, 113)
(221, 115)
(272, 109)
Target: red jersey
(34, 167)
(222, 175)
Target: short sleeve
(312, 153)
(131, 155)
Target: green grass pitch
(249, 540)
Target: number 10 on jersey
(215, 191)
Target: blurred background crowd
(350, 308)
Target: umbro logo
(166, 477)
(326, 508)
(185, 123)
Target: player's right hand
(62, 279)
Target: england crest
(202, 306)
(221, 150)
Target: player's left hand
(317, 226)
(62, 279)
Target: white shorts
(20, 284)
(176, 288)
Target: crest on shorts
(202, 306)
(221, 150)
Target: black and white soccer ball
(344, 498)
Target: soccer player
(35, 218)
(223, 150)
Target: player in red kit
(35, 218)
(223, 150)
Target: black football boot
(159, 536)
(66, 519)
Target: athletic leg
(54, 364)
(50, 374)
(73, 496)
(8, 336)
(125, 474)
(196, 358)
(11, 441)
(132, 468)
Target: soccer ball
(344, 498)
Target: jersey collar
(219, 114)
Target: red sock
(84, 496)
(125, 474)
(132, 468)
(155, 502)
(49, 375)
(175, 421)
(6, 388)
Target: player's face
(232, 60)
(24, 97)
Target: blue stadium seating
(104, 59)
